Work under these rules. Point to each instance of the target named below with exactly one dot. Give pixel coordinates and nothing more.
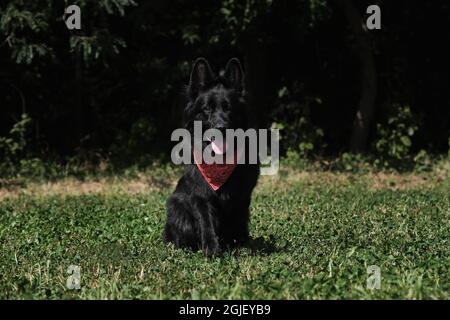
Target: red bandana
(215, 174)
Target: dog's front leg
(207, 219)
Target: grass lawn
(314, 236)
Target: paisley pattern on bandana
(216, 174)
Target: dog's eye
(225, 106)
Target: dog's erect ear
(201, 75)
(234, 73)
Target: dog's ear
(201, 75)
(235, 74)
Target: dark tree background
(113, 88)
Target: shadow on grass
(262, 246)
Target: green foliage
(449, 146)
(14, 19)
(295, 159)
(136, 142)
(99, 45)
(394, 139)
(240, 15)
(319, 11)
(422, 161)
(351, 162)
(29, 37)
(293, 118)
(116, 6)
(25, 53)
(32, 168)
(18, 24)
(14, 144)
(190, 35)
(15, 160)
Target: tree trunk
(368, 80)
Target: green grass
(312, 239)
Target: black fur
(197, 216)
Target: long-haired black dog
(197, 216)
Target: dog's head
(217, 101)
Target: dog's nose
(220, 122)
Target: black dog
(199, 217)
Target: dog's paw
(212, 250)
